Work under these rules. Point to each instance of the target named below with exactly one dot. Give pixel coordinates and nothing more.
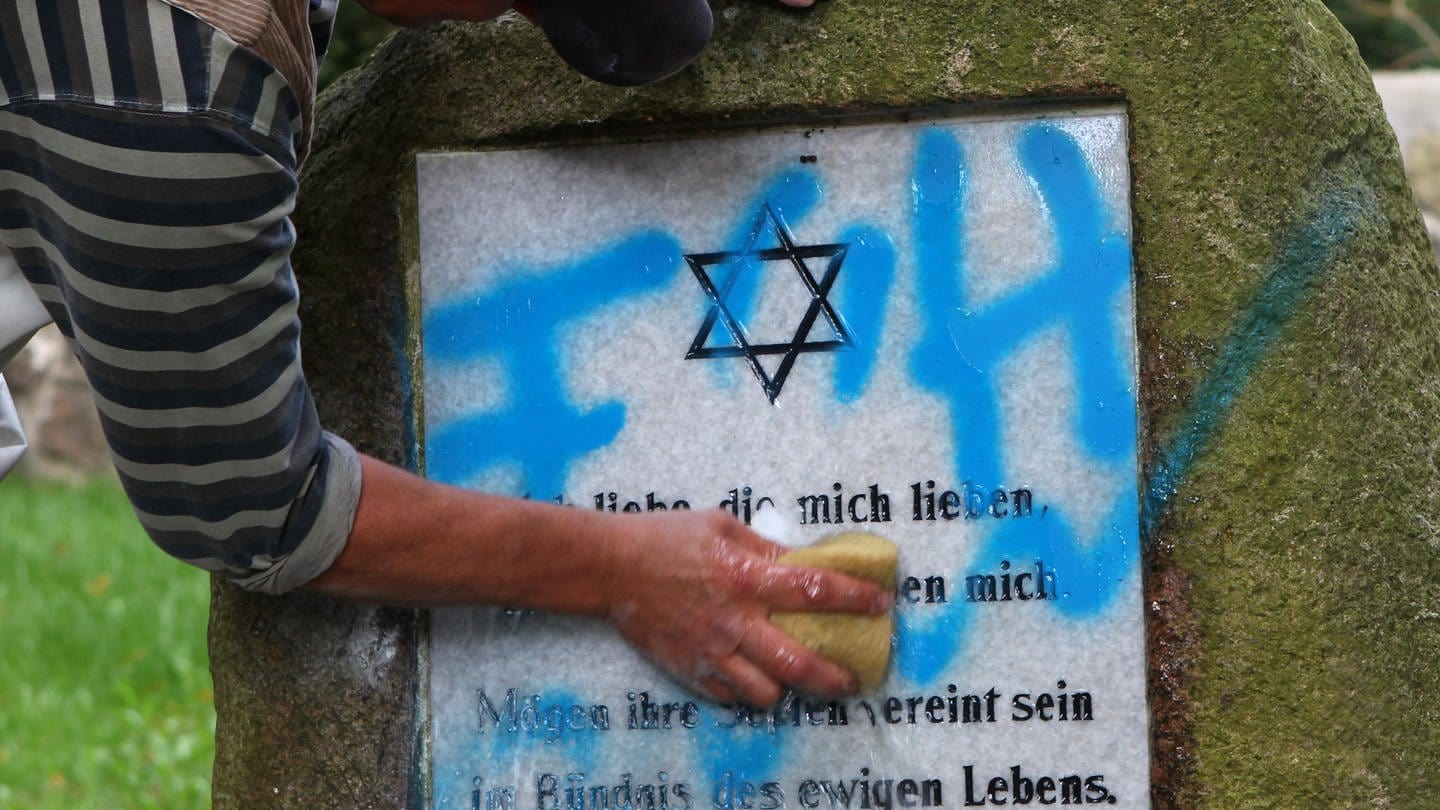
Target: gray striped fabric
(146, 177)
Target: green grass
(105, 697)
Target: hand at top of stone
(622, 42)
(626, 42)
(413, 13)
(695, 593)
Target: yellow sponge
(861, 643)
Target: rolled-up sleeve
(332, 493)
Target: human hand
(412, 13)
(694, 591)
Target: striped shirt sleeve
(150, 214)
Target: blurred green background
(356, 33)
(104, 684)
(1393, 35)
(105, 695)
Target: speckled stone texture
(1288, 345)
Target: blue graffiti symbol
(961, 351)
(522, 322)
(1304, 253)
(957, 357)
(865, 288)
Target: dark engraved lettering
(578, 792)
(1017, 787)
(644, 714)
(869, 793)
(1039, 583)
(733, 793)
(525, 713)
(819, 509)
(909, 590)
(483, 798)
(869, 506)
(972, 501)
(739, 504)
(1062, 706)
(952, 707)
(610, 502)
(934, 590)
(793, 711)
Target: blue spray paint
(744, 753)
(1304, 253)
(962, 349)
(792, 195)
(544, 729)
(522, 321)
(864, 282)
(957, 357)
(865, 285)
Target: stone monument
(1118, 318)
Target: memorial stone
(1118, 318)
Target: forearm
(693, 591)
(419, 543)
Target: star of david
(739, 261)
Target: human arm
(691, 590)
(169, 269)
(218, 444)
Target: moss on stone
(1295, 572)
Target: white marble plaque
(919, 329)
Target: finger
(797, 588)
(738, 534)
(716, 689)
(750, 683)
(787, 661)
